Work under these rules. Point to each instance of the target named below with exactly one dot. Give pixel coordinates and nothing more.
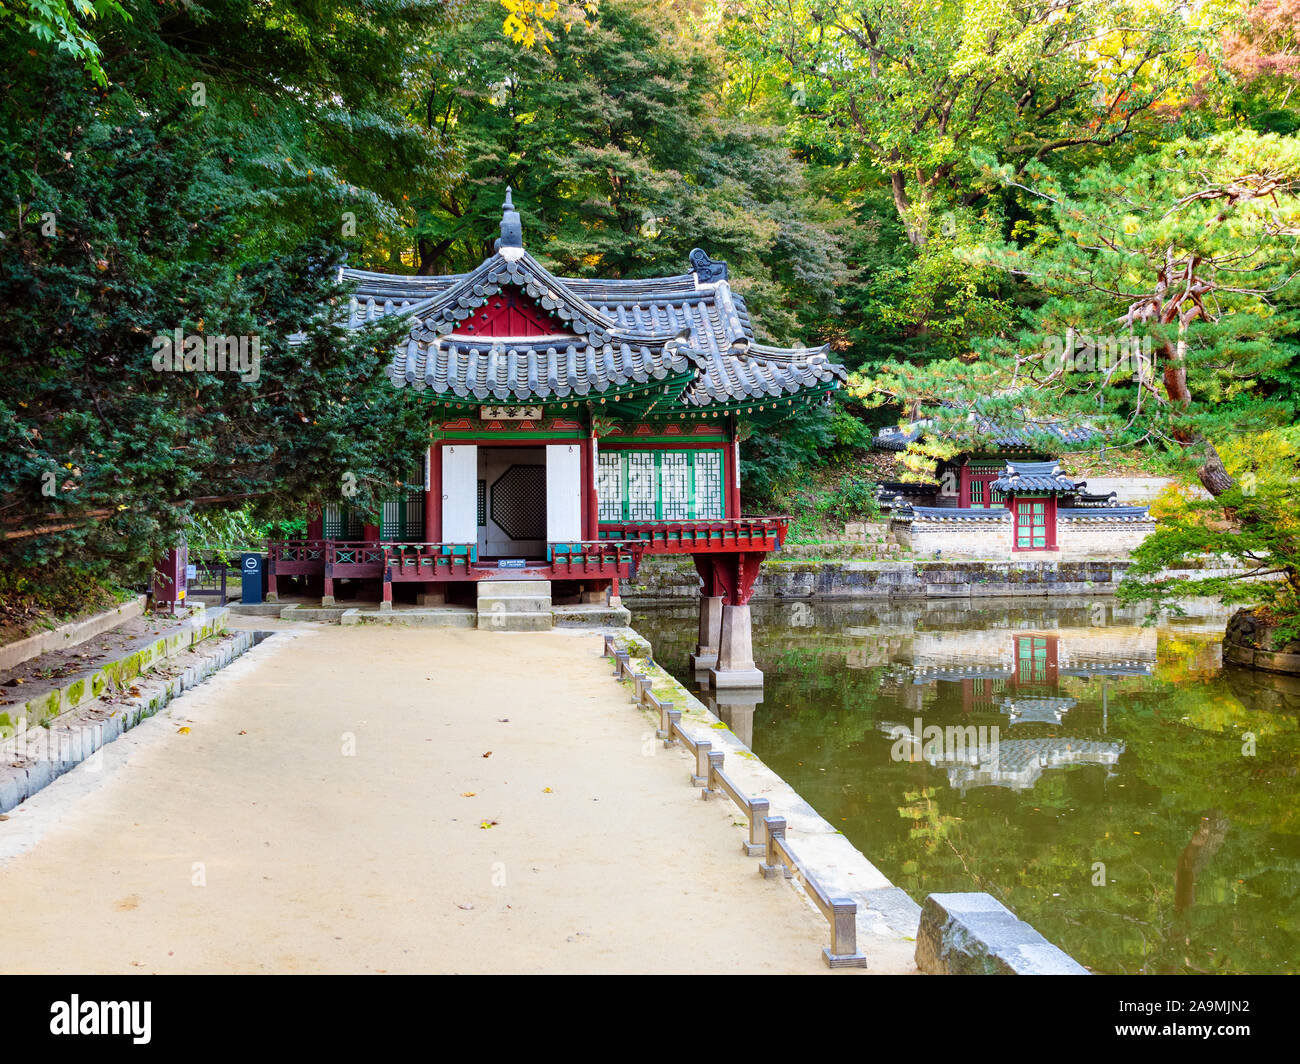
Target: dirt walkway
(257, 841)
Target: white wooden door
(564, 492)
(460, 494)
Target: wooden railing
(600, 558)
(344, 559)
(430, 561)
(295, 557)
(695, 537)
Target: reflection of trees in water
(1268, 691)
(1204, 844)
(1181, 894)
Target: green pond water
(1124, 815)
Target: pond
(1114, 785)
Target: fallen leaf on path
(488, 754)
(468, 794)
(182, 731)
(547, 790)
(488, 824)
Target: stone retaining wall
(1250, 641)
(69, 635)
(114, 675)
(34, 760)
(670, 578)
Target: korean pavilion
(575, 424)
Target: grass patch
(31, 604)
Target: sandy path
(312, 860)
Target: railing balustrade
(766, 833)
(693, 537)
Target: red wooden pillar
(433, 496)
(588, 489)
(733, 471)
(327, 591)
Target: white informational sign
(191, 572)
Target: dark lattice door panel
(341, 522)
(518, 499)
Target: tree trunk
(1212, 474)
(430, 255)
(898, 182)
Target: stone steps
(514, 605)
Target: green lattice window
(660, 485)
(402, 512)
(1031, 659)
(1031, 525)
(341, 521)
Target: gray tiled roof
(1035, 476)
(953, 513)
(1103, 513)
(715, 316)
(695, 336)
(536, 369)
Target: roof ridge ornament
(512, 230)
(707, 270)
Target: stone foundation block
(975, 934)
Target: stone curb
(69, 635)
(884, 910)
(975, 934)
(114, 675)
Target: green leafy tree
(914, 88)
(205, 192)
(1161, 286)
(1255, 523)
(622, 159)
(63, 23)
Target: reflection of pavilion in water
(1017, 673)
(1012, 763)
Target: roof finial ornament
(512, 230)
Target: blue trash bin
(252, 569)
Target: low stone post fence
(766, 833)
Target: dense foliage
(979, 205)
